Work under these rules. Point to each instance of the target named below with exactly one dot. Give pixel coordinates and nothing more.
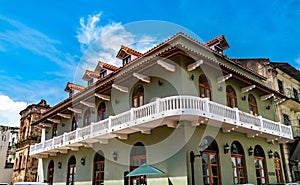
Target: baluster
(158, 106)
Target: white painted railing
(165, 107)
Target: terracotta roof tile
(88, 74)
(129, 51)
(106, 66)
(71, 86)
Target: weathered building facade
(25, 167)
(9, 137)
(182, 107)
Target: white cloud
(9, 111)
(102, 42)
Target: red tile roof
(128, 51)
(71, 86)
(104, 65)
(90, 74)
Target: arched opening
(277, 166)
(252, 104)
(210, 161)
(50, 172)
(260, 165)
(71, 177)
(204, 88)
(231, 97)
(138, 96)
(98, 178)
(54, 130)
(74, 123)
(137, 158)
(87, 117)
(101, 112)
(238, 163)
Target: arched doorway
(137, 158)
(277, 166)
(50, 172)
(210, 161)
(98, 178)
(260, 165)
(71, 177)
(238, 163)
(138, 96)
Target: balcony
(165, 111)
(296, 131)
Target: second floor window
(103, 73)
(286, 119)
(101, 112)
(90, 82)
(204, 87)
(74, 123)
(280, 86)
(252, 104)
(138, 96)
(296, 96)
(126, 59)
(87, 117)
(231, 97)
(54, 130)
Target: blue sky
(42, 43)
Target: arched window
(231, 97)
(204, 87)
(98, 168)
(138, 96)
(278, 170)
(260, 165)
(71, 177)
(74, 123)
(137, 158)
(54, 130)
(50, 172)
(238, 163)
(101, 112)
(210, 161)
(87, 117)
(252, 104)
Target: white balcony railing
(163, 108)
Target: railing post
(77, 134)
(52, 143)
(131, 114)
(261, 122)
(109, 123)
(237, 115)
(64, 139)
(280, 127)
(157, 104)
(206, 105)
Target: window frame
(138, 96)
(50, 172)
(252, 104)
(101, 172)
(204, 87)
(231, 96)
(71, 166)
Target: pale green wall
(167, 149)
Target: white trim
(194, 65)
(166, 65)
(142, 77)
(120, 88)
(248, 88)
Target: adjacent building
(25, 167)
(285, 79)
(8, 136)
(182, 107)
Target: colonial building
(285, 79)
(25, 167)
(8, 136)
(182, 107)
